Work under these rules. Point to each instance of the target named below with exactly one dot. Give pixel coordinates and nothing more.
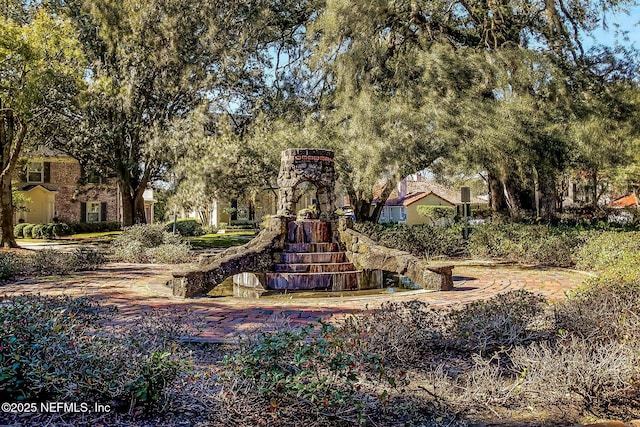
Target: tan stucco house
(402, 205)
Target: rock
(367, 255)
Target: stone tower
(299, 165)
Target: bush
(502, 321)
(9, 265)
(149, 243)
(59, 229)
(94, 227)
(186, 227)
(420, 240)
(606, 249)
(397, 332)
(51, 351)
(210, 229)
(436, 213)
(36, 231)
(26, 231)
(48, 262)
(84, 258)
(18, 230)
(172, 253)
(529, 244)
(295, 374)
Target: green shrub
(210, 229)
(436, 213)
(18, 230)
(36, 231)
(9, 265)
(59, 229)
(51, 351)
(606, 249)
(186, 227)
(529, 244)
(295, 373)
(94, 227)
(26, 231)
(420, 240)
(149, 243)
(244, 223)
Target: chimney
(402, 189)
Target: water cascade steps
(311, 261)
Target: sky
(618, 24)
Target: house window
(93, 211)
(35, 172)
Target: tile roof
(629, 201)
(416, 190)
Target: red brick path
(136, 289)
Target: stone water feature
(317, 251)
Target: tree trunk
(497, 200)
(594, 188)
(12, 134)
(519, 196)
(6, 213)
(547, 195)
(364, 209)
(132, 207)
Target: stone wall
(365, 254)
(257, 256)
(307, 165)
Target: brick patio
(136, 289)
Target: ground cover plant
(59, 349)
(48, 262)
(513, 359)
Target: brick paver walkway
(137, 289)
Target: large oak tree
(151, 64)
(40, 72)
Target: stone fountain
(317, 251)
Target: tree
(152, 63)
(40, 72)
(499, 80)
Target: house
(59, 190)
(402, 204)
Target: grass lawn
(102, 235)
(231, 238)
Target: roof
(32, 186)
(413, 198)
(629, 201)
(415, 190)
(46, 152)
